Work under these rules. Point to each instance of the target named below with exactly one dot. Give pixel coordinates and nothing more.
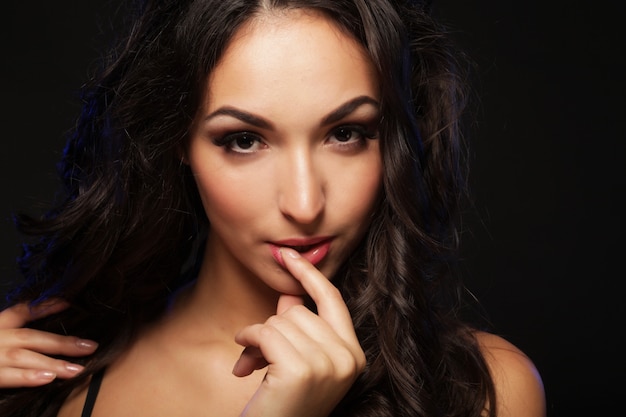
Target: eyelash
(362, 134)
(229, 139)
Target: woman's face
(285, 151)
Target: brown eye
(344, 134)
(244, 142)
(351, 134)
(241, 142)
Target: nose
(301, 192)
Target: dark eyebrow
(347, 108)
(244, 116)
(254, 120)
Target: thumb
(286, 301)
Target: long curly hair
(129, 228)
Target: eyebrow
(348, 108)
(244, 116)
(334, 116)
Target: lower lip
(315, 255)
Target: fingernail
(291, 253)
(74, 368)
(86, 344)
(45, 375)
(236, 368)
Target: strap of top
(92, 393)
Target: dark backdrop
(548, 155)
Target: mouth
(314, 249)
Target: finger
(20, 314)
(48, 343)
(290, 349)
(330, 304)
(251, 359)
(301, 327)
(17, 378)
(27, 359)
(270, 343)
(286, 301)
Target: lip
(316, 248)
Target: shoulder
(518, 385)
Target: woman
(259, 221)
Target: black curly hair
(128, 231)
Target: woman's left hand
(312, 359)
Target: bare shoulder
(519, 388)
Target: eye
(344, 134)
(351, 135)
(241, 142)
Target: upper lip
(301, 241)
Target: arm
(23, 352)
(519, 388)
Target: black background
(544, 241)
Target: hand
(312, 360)
(23, 360)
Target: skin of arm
(519, 388)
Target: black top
(92, 393)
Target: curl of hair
(126, 233)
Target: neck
(224, 299)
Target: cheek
(360, 190)
(225, 198)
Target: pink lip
(317, 251)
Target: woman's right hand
(23, 352)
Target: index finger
(20, 314)
(330, 304)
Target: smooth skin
(309, 360)
(323, 356)
(519, 388)
(23, 352)
(239, 341)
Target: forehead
(294, 54)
